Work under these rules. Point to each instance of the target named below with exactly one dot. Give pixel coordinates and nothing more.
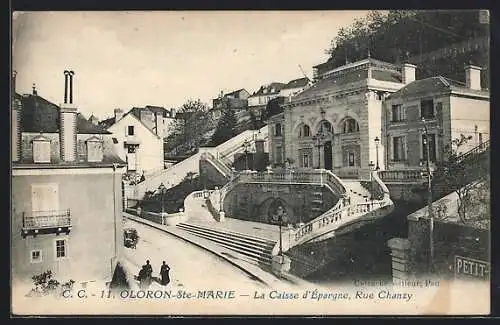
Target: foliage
(400, 35)
(459, 175)
(226, 128)
(273, 107)
(45, 284)
(189, 130)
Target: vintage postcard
(250, 163)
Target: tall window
(427, 108)
(432, 147)
(326, 126)
(130, 130)
(61, 248)
(398, 113)
(350, 125)
(398, 149)
(305, 131)
(305, 160)
(350, 159)
(279, 155)
(277, 129)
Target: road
(190, 266)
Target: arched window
(304, 131)
(325, 127)
(350, 125)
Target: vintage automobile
(130, 237)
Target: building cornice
(48, 170)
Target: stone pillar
(222, 216)
(280, 264)
(400, 252)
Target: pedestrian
(143, 278)
(149, 269)
(165, 278)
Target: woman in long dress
(165, 277)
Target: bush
(46, 285)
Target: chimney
(34, 89)
(408, 73)
(68, 120)
(16, 122)
(473, 77)
(118, 114)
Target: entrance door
(328, 155)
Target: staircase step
(249, 238)
(218, 238)
(259, 256)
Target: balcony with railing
(46, 222)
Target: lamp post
(429, 195)
(318, 139)
(377, 142)
(245, 146)
(281, 218)
(371, 165)
(162, 189)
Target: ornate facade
(334, 123)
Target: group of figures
(145, 276)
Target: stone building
(449, 109)
(333, 124)
(66, 193)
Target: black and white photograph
(326, 162)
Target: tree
(188, 131)
(462, 175)
(226, 128)
(274, 107)
(254, 124)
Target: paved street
(191, 267)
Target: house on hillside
(449, 108)
(236, 100)
(66, 193)
(258, 100)
(295, 87)
(135, 141)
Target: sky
(126, 59)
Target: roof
(277, 86)
(235, 92)
(344, 75)
(129, 113)
(107, 122)
(41, 115)
(297, 83)
(434, 85)
(158, 110)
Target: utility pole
(429, 196)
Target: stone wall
(255, 201)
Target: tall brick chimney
(408, 73)
(473, 77)
(68, 119)
(118, 114)
(16, 122)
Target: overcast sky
(126, 59)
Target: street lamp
(318, 138)
(246, 145)
(429, 194)
(377, 142)
(162, 189)
(281, 218)
(371, 165)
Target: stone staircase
(252, 249)
(357, 191)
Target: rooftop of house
(40, 115)
(435, 84)
(158, 110)
(351, 73)
(297, 83)
(273, 88)
(234, 93)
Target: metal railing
(47, 219)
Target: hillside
(437, 41)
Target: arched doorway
(327, 148)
